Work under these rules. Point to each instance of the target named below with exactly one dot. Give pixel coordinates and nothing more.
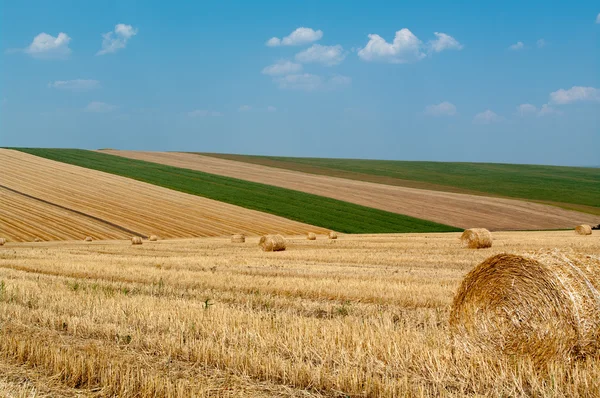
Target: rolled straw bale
(136, 240)
(476, 238)
(332, 235)
(238, 238)
(272, 243)
(583, 229)
(37, 239)
(311, 236)
(153, 238)
(88, 239)
(545, 305)
(2, 241)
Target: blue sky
(513, 82)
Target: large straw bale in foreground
(545, 305)
(272, 243)
(238, 238)
(311, 236)
(477, 238)
(2, 241)
(136, 240)
(583, 229)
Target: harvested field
(460, 210)
(56, 201)
(364, 316)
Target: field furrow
(461, 210)
(127, 204)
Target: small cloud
(598, 18)
(526, 109)
(298, 37)
(326, 55)
(244, 108)
(310, 82)
(547, 110)
(204, 113)
(405, 48)
(45, 46)
(282, 68)
(75, 85)
(271, 108)
(444, 42)
(116, 40)
(441, 109)
(486, 117)
(517, 46)
(541, 43)
(99, 107)
(574, 94)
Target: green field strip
(299, 206)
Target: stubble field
(365, 315)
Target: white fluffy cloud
(442, 109)
(574, 94)
(99, 107)
(326, 55)
(526, 109)
(296, 38)
(310, 82)
(116, 40)
(282, 68)
(47, 46)
(486, 117)
(204, 113)
(75, 85)
(517, 46)
(547, 110)
(406, 47)
(444, 42)
(598, 18)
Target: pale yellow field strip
(131, 205)
(363, 316)
(460, 210)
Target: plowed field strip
(461, 210)
(132, 205)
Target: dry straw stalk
(545, 305)
(476, 238)
(272, 243)
(136, 240)
(238, 238)
(583, 229)
(311, 236)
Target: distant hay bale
(153, 238)
(332, 235)
(2, 241)
(272, 243)
(37, 239)
(238, 238)
(476, 238)
(583, 229)
(136, 240)
(311, 236)
(88, 239)
(545, 305)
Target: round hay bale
(153, 238)
(37, 239)
(272, 243)
(476, 238)
(545, 305)
(2, 241)
(238, 238)
(311, 236)
(88, 239)
(136, 240)
(332, 235)
(583, 229)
